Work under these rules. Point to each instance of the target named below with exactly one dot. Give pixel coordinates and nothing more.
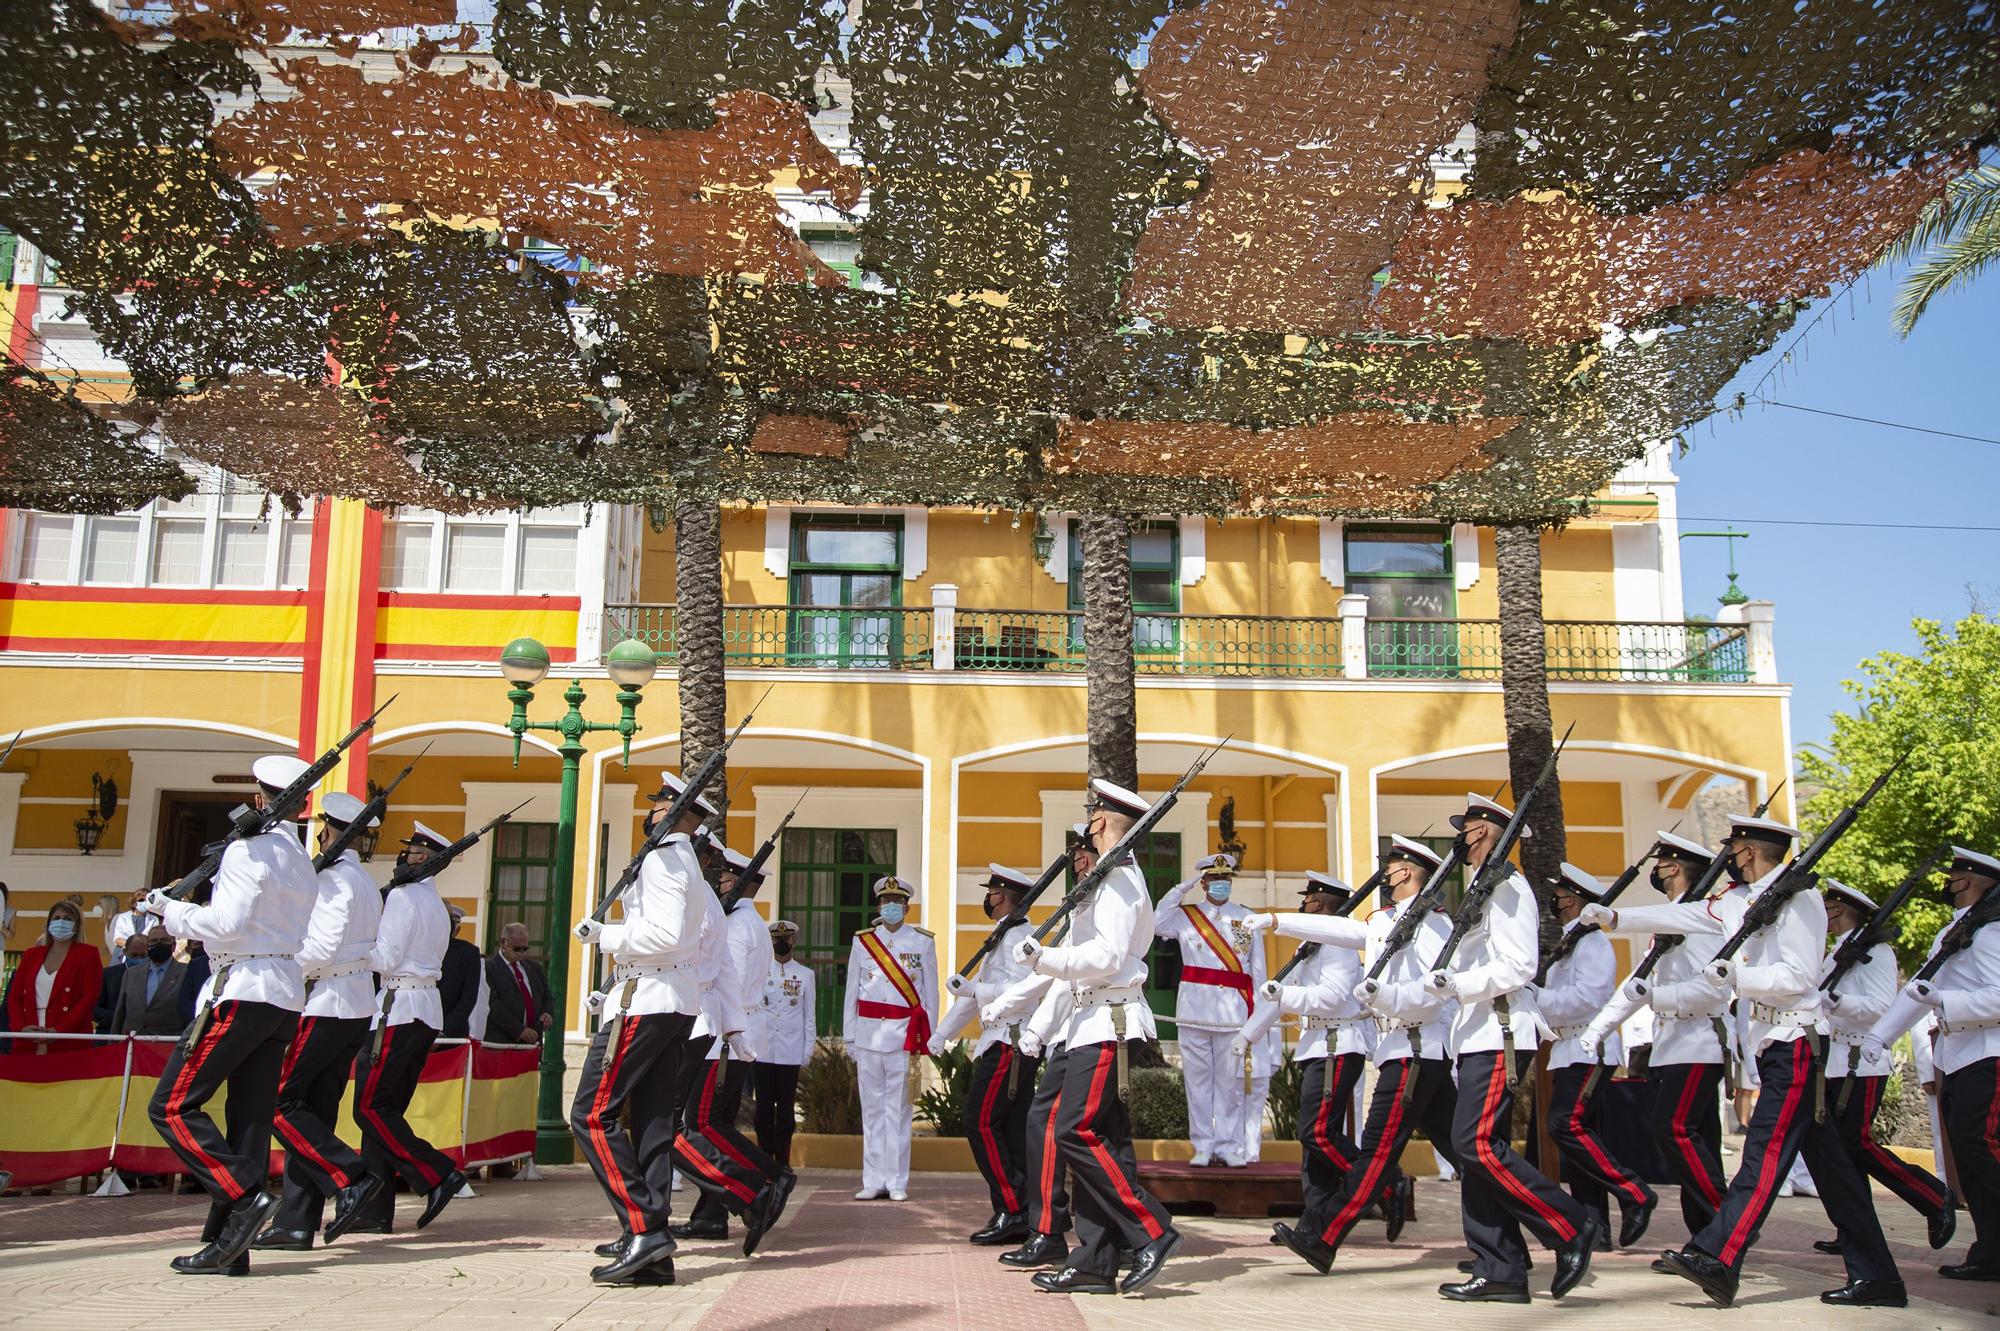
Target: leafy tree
(1942, 704)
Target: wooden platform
(1267, 1188)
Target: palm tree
(698, 635)
(1957, 235)
(1113, 700)
(1524, 698)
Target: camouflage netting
(1458, 258)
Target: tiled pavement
(518, 1256)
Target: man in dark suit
(517, 992)
(149, 998)
(459, 983)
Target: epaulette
(925, 932)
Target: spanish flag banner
(500, 1114)
(59, 1111)
(139, 1148)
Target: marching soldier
(1963, 998)
(1776, 979)
(788, 1025)
(890, 1009)
(1691, 1042)
(635, 1057)
(1105, 962)
(1853, 1083)
(1003, 1078)
(1494, 1037)
(1576, 985)
(1221, 967)
(340, 996)
(409, 956)
(252, 926)
(1413, 1086)
(731, 1171)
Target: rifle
(370, 812)
(691, 788)
(1854, 949)
(1567, 944)
(10, 745)
(1134, 837)
(1404, 931)
(1959, 936)
(1306, 951)
(438, 863)
(1018, 915)
(1496, 869)
(1798, 876)
(755, 865)
(1665, 943)
(247, 820)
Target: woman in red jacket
(56, 985)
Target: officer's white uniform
(881, 1045)
(788, 1013)
(1210, 1009)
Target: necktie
(527, 997)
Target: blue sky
(1844, 593)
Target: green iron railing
(1574, 650)
(827, 637)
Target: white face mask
(62, 930)
(892, 912)
(1218, 891)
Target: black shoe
(246, 1221)
(1831, 1247)
(1308, 1246)
(1945, 1222)
(700, 1229)
(1039, 1250)
(641, 1251)
(1716, 1280)
(1481, 1290)
(1573, 1260)
(1398, 1205)
(1004, 1227)
(218, 1216)
(1633, 1221)
(440, 1197)
(206, 1263)
(784, 1183)
(1069, 1280)
(1664, 1267)
(1604, 1237)
(757, 1218)
(1151, 1259)
(284, 1240)
(615, 1246)
(350, 1204)
(1868, 1294)
(1969, 1271)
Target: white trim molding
(1465, 554)
(1333, 552)
(1194, 550)
(778, 535)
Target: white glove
(1870, 1048)
(1258, 921)
(1238, 1047)
(1029, 1044)
(1439, 982)
(1923, 991)
(1636, 990)
(1026, 951)
(1592, 1041)
(1720, 970)
(589, 930)
(1269, 991)
(936, 1046)
(956, 985)
(1601, 916)
(595, 1003)
(157, 902)
(1831, 1001)
(991, 1015)
(739, 1047)
(1366, 991)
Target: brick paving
(518, 1255)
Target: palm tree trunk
(1107, 634)
(1524, 696)
(698, 635)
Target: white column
(593, 546)
(1354, 636)
(944, 626)
(1758, 617)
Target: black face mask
(1657, 879)
(1733, 866)
(987, 906)
(782, 949)
(159, 951)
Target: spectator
(517, 992)
(149, 1001)
(126, 925)
(6, 915)
(128, 949)
(462, 985)
(58, 982)
(194, 980)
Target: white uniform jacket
(739, 989)
(1854, 1006)
(1405, 1002)
(340, 940)
(1495, 962)
(409, 953)
(1690, 1007)
(1043, 1030)
(255, 921)
(1968, 1018)
(915, 951)
(1209, 1001)
(1576, 990)
(788, 1013)
(997, 974)
(1104, 961)
(1321, 991)
(657, 943)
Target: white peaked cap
(424, 835)
(1761, 829)
(1582, 884)
(1006, 877)
(735, 859)
(278, 770)
(1325, 882)
(1405, 848)
(889, 883)
(672, 787)
(1681, 846)
(783, 928)
(1853, 896)
(1112, 796)
(1478, 806)
(1082, 830)
(343, 808)
(1961, 858)
(1222, 864)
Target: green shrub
(1288, 1082)
(829, 1092)
(1157, 1101)
(944, 1103)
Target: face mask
(987, 905)
(782, 949)
(892, 912)
(1218, 892)
(62, 930)
(1657, 879)
(1735, 869)
(159, 951)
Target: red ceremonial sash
(918, 1036)
(1231, 975)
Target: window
(524, 864)
(493, 554)
(406, 556)
(548, 559)
(839, 251)
(111, 551)
(826, 885)
(242, 551)
(473, 557)
(45, 548)
(1156, 585)
(177, 552)
(295, 554)
(1406, 574)
(853, 565)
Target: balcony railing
(1265, 646)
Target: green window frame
(518, 883)
(1156, 587)
(1399, 597)
(826, 881)
(831, 246)
(862, 626)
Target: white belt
(634, 972)
(1788, 1016)
(1568, 1032)
(1333, 1023)
(1669, 1015)
(1123, 993)
(222, 959)
(344, 968)
(400, 982)
(1966, 1027)
(1847, 1038)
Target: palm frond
(1949, 265)
(1967, 199)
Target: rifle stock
(370, 812)
(1496, 869)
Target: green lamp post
(525, 663)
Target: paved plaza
(518, 1256)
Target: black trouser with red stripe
(1922, 1190)
(634, 1061)
(1390, 1124)
(776, 1086)
(1326, 1089)
(1969, 1105)
(1112, 1212)
(1502, 1193)
(996, 1122)
(385, 1081)
(1048, 1191)
(1575, 1122)
(1687, 1122)
(315, 1077)
(1781, 1127)
(723, 1163)
(242, 1046)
